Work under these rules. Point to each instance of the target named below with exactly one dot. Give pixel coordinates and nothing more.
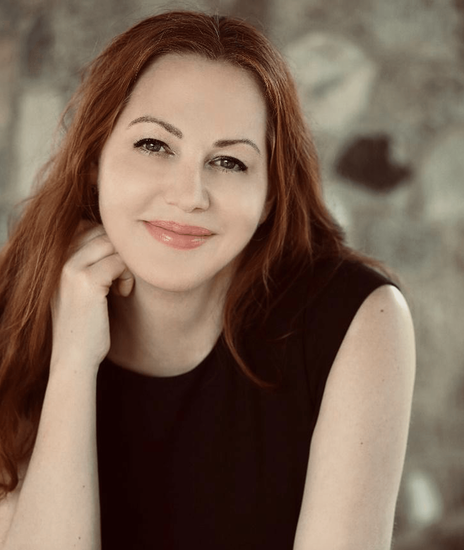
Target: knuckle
(68, 270)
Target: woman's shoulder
(345, 281)
(329, 285)
(320, 301)
(336, 290)
(351, 272)
(317, 302)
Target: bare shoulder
(375, 365)
(373, 373)
(384, 307)
(383, 330)
(359, 443)
(377, 355)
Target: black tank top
(207, 459)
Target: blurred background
(382, 84)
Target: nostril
(188, 196)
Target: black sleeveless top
(207, 459)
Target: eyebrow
(176, 132)
(229, 142)
(168, 127)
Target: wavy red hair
(297, 231)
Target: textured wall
(383, 88)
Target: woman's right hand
(81, 332)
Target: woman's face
(183, 176)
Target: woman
(182, 320)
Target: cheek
(123, 184)
(246, 207)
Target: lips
(181, 229)
(178, 236)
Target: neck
(165, 333)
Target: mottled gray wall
(382, 83)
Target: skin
(358, 447)
(359, 443)
(172, 319)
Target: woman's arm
(358, 447)
(57, 507)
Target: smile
(175, 235)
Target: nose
(186, 188)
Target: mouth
(178, 236)
(182, 229)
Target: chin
(177, 282)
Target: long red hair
(298, 229)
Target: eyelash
(143, 143)
(241, 167)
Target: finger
(107, 270)
(124, 284)
(86, 233)
(93, 250)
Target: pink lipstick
(176, 235)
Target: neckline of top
(124, 375)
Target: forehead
(189, 85)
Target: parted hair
(298, 230)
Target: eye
(229, 164)
(150, 145)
